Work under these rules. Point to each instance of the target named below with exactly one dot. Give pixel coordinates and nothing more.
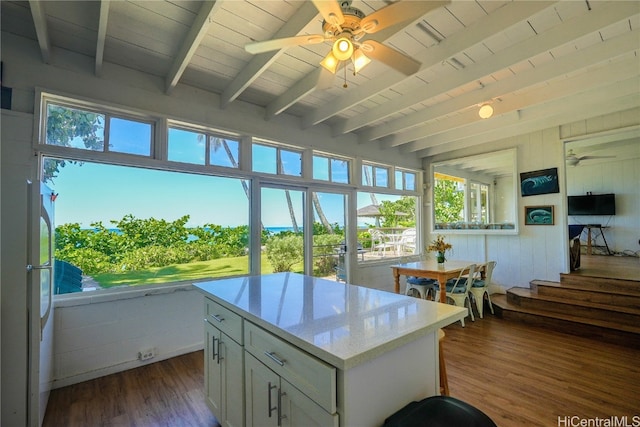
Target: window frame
(330, 158)
(158, 159)
(208, 134)
(108, 114)
(279, 147)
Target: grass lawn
(182, 272)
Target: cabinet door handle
(217, 318)
(271, 355)
(213, 348)
(280, 416)
(271, 409)
(219, 353)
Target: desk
(431, 270)
(600, 228)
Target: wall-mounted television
(592, 204)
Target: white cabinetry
(286, 349)
(286, 386)
(224, 364)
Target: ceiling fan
(573, 159)
(346, 26)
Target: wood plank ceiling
(539, 63)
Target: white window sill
(119, 293)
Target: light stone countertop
(344, 325)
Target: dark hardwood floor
(169, 393)
(517, 374)
(618, 267)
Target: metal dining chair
(458, 290)
(480, 287)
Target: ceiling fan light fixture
(330, 62)
(360, 60)
(342, 49)
(485, 111)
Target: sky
(91, 192)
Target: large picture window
(124, 226)
(155, 218)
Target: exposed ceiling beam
(259, 63)
(558, 90)
(557, 36)
(191, 42)
(303, 88)
(488, 26)
(298, 91)
(102, 35)
(618, 96)
(414, 126)
(40, 23)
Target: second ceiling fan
(346, 26)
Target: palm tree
(320, 212)
(369, 182)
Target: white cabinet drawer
(224, 319)
(310, 375)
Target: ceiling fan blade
(276, 44)
(399, 11)
(390, 57)
(330, 11)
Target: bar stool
(444, 382)
(439, 411)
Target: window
(276, 160)
(375, 175)
(479, 202)
(124, 226)
(387, 225)
(405, 180)
(332, 169)
(123, 222)
(88, 130)
(200, 148)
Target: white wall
(621, 177)
(102, 333)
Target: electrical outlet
(146, 354)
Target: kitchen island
(295, 350)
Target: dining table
(431, 269)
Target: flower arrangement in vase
(439, 246)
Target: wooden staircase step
(525, 297)
(601, 284)
(613, 332)
(573, 292)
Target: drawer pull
(217, 318)
(272, 356)
(271, 409)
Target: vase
(440, 257)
